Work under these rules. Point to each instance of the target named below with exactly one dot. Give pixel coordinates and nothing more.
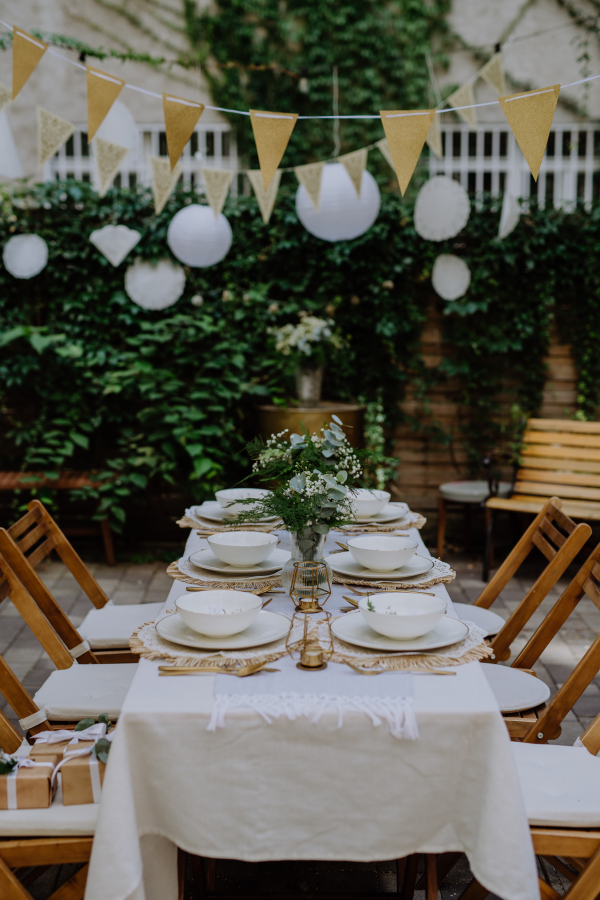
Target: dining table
(296, 788)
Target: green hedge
(88, 380)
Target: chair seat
(55, 821)
(576, 509)
(560, 785)
(489, 621)
(83, 691)
(111, 627)
(471, 491)
(515, 690)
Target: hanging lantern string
(241, 112)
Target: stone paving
(147, 583)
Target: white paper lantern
(442, 209)
(199, 238)
(451, 276)
(154, 285)
(510, 215)
(342, 215)
(25, 255)
(119, 127)
(115, 242)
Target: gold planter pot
(273, 419)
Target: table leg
(431, 872)
(211, 875)
(410, 876)
(180, 873)
(400, 872)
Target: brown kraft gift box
(54, 752)
(76, 774)
(34, 788)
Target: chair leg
(107, 538)
(441, 533)
(410, 877)
(180, 873)
(211, 875)
(400, 872)
(431, 872)
(74, 888)
(488, 555)
(474, 891)
(10, 886)
(445, 864)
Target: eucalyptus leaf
(342, 476)
(296, 438)
(305, 544)
(337, 419)
(102, 749)
(328, 453)
(321, 529)
(85, 723)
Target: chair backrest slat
(544, 546)
(30, 518)
(592, 590)
(10, 739)
(591, 736)
(18, 698)
(32, 537)
(40, 553)
(552, 533)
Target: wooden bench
(559, 458)
(69, 481)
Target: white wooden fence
(483, 160)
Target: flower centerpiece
(308, 346)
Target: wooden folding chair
(106, 628)
(559, 539)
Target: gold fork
(412, 671)
(242, 672)
(369, 593)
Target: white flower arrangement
(305, 336)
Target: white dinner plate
(206, 559)
(266, 628)
(390, 513)
(345, 564)
(353, 629)
(214, 513)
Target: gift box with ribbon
(51, 745)
(82, 767)
(25, 783)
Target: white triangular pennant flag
(385, 149)
(115, 242)
(493, 74)
(434, 137)
(355, 164)
(10, 164)
(109, 157)
(309, 177)
(52, 134)
(266, 199)
(163, 180)
(464, 96)
(216, 185)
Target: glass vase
(309, 382)
(305, 545)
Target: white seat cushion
(83, 691)
(471, 491)
(56, 821)
(111, 627)
(561, 785)
(490, 621)
(515, 690)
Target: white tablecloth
(296, 790)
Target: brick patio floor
(147, 583)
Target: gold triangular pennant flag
(163, 180)
(464, 96)
(530, 117)
(355, 163)
(102, 91)
(5, 97)
(109, 157)
(216, 185)
(493, 73)
(27, 52)
(309, 177)
(434, 137)
(385, 149)
(266, 198)
(272, 132)
(52, 133)
(181, 117)
(406, 131)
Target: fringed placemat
(190, 520)
(441, 573)
(184, 570)
(411, 520)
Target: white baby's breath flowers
(302, 337)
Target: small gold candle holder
(310, 586)
(312, 655)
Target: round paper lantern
(119, 127)
(199, 238)
(25, 255)
(451, 276)
(342, 214)
(154, 285)
(442, 209)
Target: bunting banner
(181, 117)
(163, 180)
(530, 117)
(216, 185)
(384, 148)
(52, 134)
(266, 198)
(355, 164)
(109, 157)
(493, 74)
(272, 132)
(464, 96)
(27, 52)
(102, 91)
(309, 177)
(5, 97)
(434, 137)
(406, 131)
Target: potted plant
(308, 345)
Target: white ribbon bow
(91, 733)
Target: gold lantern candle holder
(312, 655)
(310, 586)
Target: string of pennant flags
(529, 115)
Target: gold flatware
(351, 600)
(346, 609)
(369, 593)
(266, 603)
(257, 591)
(412, 671)
(343, 546)
(242, 672)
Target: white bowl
(367, 503)
(382, 552)
(225, 498)
(402, 615)
(198, 611)
(242, 548)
